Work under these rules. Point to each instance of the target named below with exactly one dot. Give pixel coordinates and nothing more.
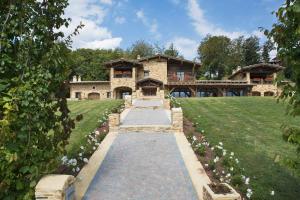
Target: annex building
(159, 75)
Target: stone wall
(157, 70)
(262, 88)
(102, 88)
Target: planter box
(208, 194)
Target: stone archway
(269, 94)
(94, 96)
(120, 92)
(256, 93)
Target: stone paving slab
(147, 116)
(147, 103)
(142, 166)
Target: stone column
(177, 120)
(128, 101)
(248, 77)
(114, 122)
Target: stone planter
(208, 194)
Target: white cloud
(111, 43)
(187, 47)
(153, 26)
(93, 34)
(204, 27)
(120, 20)
(175, 2)
(108, 2)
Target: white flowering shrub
(223, 164)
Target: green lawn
(250, 127)
(91, 111)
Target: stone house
(159, 75)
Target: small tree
(34, 118)
(286, 34)
(251, 50)
(141, 48)
(171, 51)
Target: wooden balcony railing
(187, 76)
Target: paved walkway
(142, 166)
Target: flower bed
(72, 165)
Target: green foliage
(89, 63)
(34, 118)
(286, 34)
(142, 49)
(213, 53)
(251, 50)
(172, 51)
(200, 150)
(266, 49)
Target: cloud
(108, 2)
(204, 27)
(111, 43)
(187, 47)
(153, 26)
(120, 20)
(175, 2)
(93, 34)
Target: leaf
(32, 184)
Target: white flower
(202, 131)
(94, 148)
(272, 193)
(97, 132)
(247, 181)
(194, 138)
(232, 154)
(214, 171)
(80, 154)
(85, 160)
(81, 147)
(221, 143)
(231, 168)
(77, 169)
(64, 160)
(223, 172)
(224, 153)
(237, 160)
(228, 175)
(216, 159)
(206, 165)
(212, 148)
(221, 179)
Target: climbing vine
(34, 117)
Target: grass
(251, 128)
(91, 112)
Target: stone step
(146, 128)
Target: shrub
(200, 150)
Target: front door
(149, 91)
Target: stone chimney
(138, 57)
(74, 79)
(79, 79)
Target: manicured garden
(92, 113)
(251, 128)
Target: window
(180, 76)
(123, 73)
(108, 95)
(78, 95)
(94, 87)
(146, 74)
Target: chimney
(138, 57)
(79, 79)
(74, 79)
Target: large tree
(142, 49)
(34, 118)
(213, 53)
(236, 54)
(286, 34)
(251, 50)
(266, 49)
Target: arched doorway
(269, 94)
(255, 93)
(120, 92)
(94, 96)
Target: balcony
(180, 77)
(261, 81)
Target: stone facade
(152, 77)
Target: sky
(111, 24)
